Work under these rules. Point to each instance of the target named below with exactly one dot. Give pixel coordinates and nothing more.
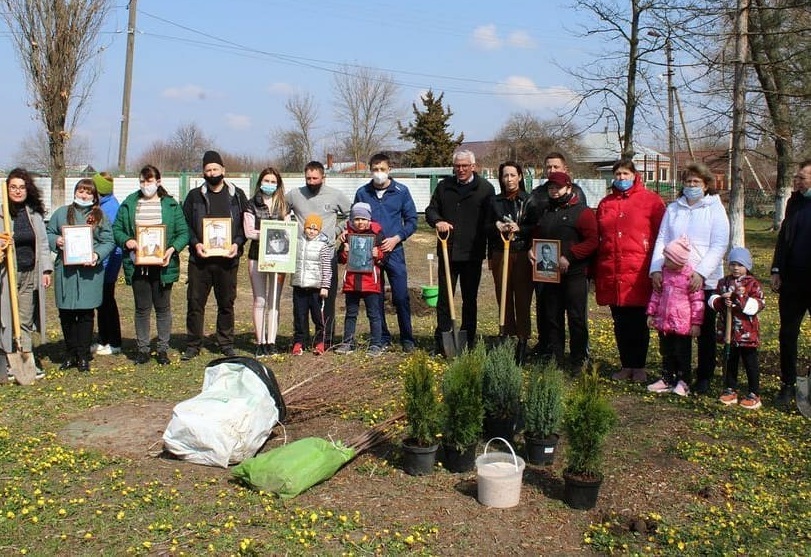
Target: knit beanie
(313, 220)
(361, 210)
(741, 256)
(559, 178)
(678, 251)
(212, 157)
(103, 184)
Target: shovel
(453, 341)
(502, 315)
(20, 363)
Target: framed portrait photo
(359, 259)
(151, 244)
(78, 249)
(217, 236)
(278, 243)
(547, 255)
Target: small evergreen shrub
(543, 402)
(501, 382)
(462, 399)
(422, 407)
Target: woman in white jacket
(698, 214)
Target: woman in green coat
(151, 206)
(79, 286)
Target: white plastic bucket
(499, 476)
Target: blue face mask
(268, 189)
(693, 192)
(807, 193)
(622, 185)
(82, 203)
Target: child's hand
(324, 293)
(375, 252)
(650, 321)
(695, 330)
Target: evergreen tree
(433, 143)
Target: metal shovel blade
(23, 367)
(454, 342)
(803, 402)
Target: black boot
(521, 352)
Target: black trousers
(750, 364)
(306, 306)
(203, 276)
(77, 329)
(794, 303)
(632, 335)
(707, 346)
(109, 321)
(566, 301)
(677, 355)
(468, 274)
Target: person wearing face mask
(329, 204)
(628, 221)
(393, 208)
(267, 203)
(107, 315)
(151, 285)
(79, 288)
(572, 223)
(699, 215)
(506, 219)
(791, 267)
(216, 198)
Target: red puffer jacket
(628, 223)
(362, 281)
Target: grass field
(79, 475)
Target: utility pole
(671, 115)
(736, 193)
(125, 103)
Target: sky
(230, 66)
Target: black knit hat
(212, 157)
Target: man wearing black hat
(216, 198)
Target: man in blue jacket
(393, 208)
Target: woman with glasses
(699, 215)
(34, 265)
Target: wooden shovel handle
(11, 269)
(728, 326)
(443, 241)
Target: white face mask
(380, 178)
(149, 189)
(82, 203)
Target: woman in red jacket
(628, 220)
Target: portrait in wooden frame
(217, 236)
(78, 248)
(547, 256)
(151, 240)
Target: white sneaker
(94, 347)
(681, 389)
(660, 386)
(107, 350)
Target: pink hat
(678, 250)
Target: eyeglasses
(16, 188)
(462, 166)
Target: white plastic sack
(227, 422)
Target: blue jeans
(397, 275)
(372, 302)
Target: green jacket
(177, 234)
(79, 286)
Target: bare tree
(526, 139)
(33, 153)
(366, 103)
(295, 145)
(613, 82)
(56, 41)
(188, 144)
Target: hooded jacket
(362, 282)
(675, 309)
(628, 224)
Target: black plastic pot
(417, 460)
(541, 451)
(581, 493)
(455, 460)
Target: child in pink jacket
(677, 313)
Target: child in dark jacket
(739, 296)
(677, 313)
(360, 252)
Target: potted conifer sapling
(543, 410)
(463, 410)
(423, 412)
(501, 391)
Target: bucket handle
(515, 459)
